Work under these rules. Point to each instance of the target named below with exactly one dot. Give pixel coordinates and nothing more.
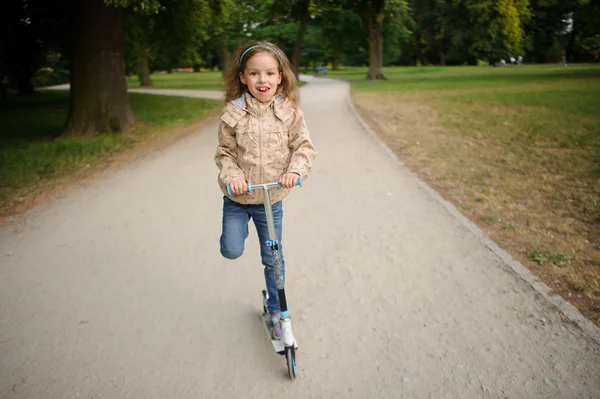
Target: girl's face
(262, 76)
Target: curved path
(117, 289)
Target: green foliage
(591, 44)
(172, 33)
(54, 72)
(465, 31)
(543, 258)
(139, 6)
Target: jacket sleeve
(226, 156)
(303, 150)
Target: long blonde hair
(234, 88)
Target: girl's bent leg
(235, 229)
(260, 221)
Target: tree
(374, 14)
(433, 28)
(21, 52)
(167, 38)
(549, 28)
(138, 27)
(342, 35)
(30, 28)
(98, 101)
(303, 21)
(488, 29)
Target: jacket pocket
(276, 146)
(247, 142)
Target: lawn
(516, 149)
(33, 161)
(182, 80)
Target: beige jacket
(258, 142)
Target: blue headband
(261, 46)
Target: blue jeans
(235, 230)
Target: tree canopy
(150, 35)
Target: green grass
(182, 80)
(456, 78)
(30, 157)
(185, 80)
(518, 144)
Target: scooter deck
(277, 343)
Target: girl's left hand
(288, 180)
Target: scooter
(287, 345)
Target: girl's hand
(239, 187)
(288, 180)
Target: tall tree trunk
(98, 101)
(224, 53)
(19, 46)
(304, 14)
(335, 64)
(442, 55)
(144, 67)
(23, 80)
(374, 17)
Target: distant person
(564, 61)
(262, 138)
(318, 70)
(325, 70)
(512, 60)
(596, 56)
(520, 60)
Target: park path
(117, 289)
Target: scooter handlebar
(251, 186)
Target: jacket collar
(246, 104)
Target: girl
(262, 138)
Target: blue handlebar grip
(298, 182)
(249, 187)
(229, 190)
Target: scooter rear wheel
(265, 296)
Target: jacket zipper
(260, 148)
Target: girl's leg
(260, 221)
(235, 228)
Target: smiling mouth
(263, 89)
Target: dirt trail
(118, 290)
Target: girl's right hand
(239, 187)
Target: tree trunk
(144, 67)
(335, 64)
(98, 101)
(23, 80)
(442, 55)
(374, 17)
(19, 46)
(224, 53)
(304, 14)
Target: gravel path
(117, 289)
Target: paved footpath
(117, 289)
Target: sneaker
(276, 326)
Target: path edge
(589, 329)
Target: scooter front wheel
(290, 357)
